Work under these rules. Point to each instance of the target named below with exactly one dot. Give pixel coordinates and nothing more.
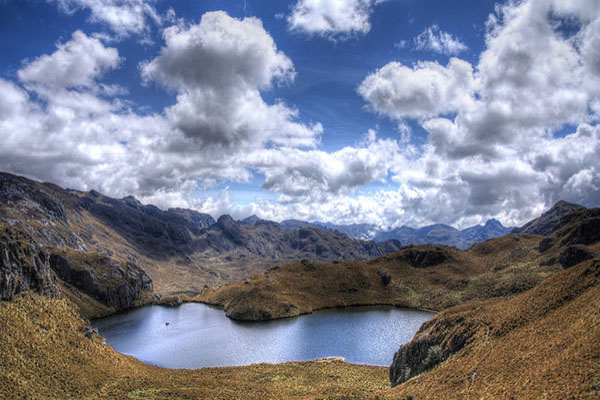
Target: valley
(66, 257)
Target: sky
(388, 112)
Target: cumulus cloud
(124, 17)
(424, 90)
(316, 176)
(218, 68)
(438, 41)
(491, 147)
(332, 18)
(77, 63)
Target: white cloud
(218, 67)
(438, 41)
(332, 18)
(425, 90)
(124, 17)
(79, 62)
(491, 149)
(316, 176)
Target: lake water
(202, 336)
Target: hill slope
(181, 250)
(543, 343)
(429, 277)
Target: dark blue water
(202, 336)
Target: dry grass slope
(45, 355)
(541, 344)
(425, 277)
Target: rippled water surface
(202, 336)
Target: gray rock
(23, 266)
(573, 255)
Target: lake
(202, 336)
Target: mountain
(425, 276)
(293, 224)
(357, 231)
(543, 224)
(181, 250)
(433, 234)
(446, 235)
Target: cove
(202, 336)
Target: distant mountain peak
(543, 225)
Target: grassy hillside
(44, 354)
(541, 344)
(426, 277)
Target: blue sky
(387, 112)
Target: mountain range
(520, 306)
(439, 234)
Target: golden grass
(541, 344)
(498, 267)
(45, 355)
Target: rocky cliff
(23, 266)
(114, 284)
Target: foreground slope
(541, 344)
(44, 354)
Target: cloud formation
(438, 41)
(77, 63)
(332, 18)
(424, 90)
(124, 17)
(218, 68)
(506, 137)
(496, 131)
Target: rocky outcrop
(113, 284)
(424, 256)
(435, 341)
(545, 244)
(573, 255)
(23, 266)
(588, 232)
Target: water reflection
(202, 336)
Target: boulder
(423, 258)
(573, 255)
(545, 244)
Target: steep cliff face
(23, 266)
(114, 284)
